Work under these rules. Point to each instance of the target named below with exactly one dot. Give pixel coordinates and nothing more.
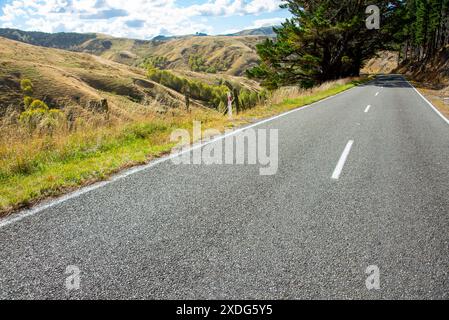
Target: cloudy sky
(142, 19)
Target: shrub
(38, 105)
(32, 118)
(213, 95)
(158, 62)
(211, 70)
(27, 101)
(37, 114)
(197, 63)
(26, 86)
(43, 119)
(51, 121)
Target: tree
(325, 40)
(424, 30)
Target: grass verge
(43, 167)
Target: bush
(212, 95)
(26, 86)
(38, 105)
(43, 119)
(32, 118)
(211, 70)
(158, 62)
(37, 114)
(27, 101)
(199, 64)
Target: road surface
(363, 181)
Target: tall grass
(35, 165)
(288, 93)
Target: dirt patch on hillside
(385, 62)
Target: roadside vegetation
(45, 162)
(326, 40)
(155, 62)
(85, 118)
(214, 96)
(198, 64)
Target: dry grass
(438, 97)
(236, 53)
(287, 93)
(38, 165)
(67, 78)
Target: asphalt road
(226, 232)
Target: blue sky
(141, 19)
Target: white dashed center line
(343, 158)
(367, 108)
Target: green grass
(302, 101)
(83, 159)
(56, 177)
(290, 104)
(54, 172)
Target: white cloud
(258, 24)
(267, 22)
(130, 18)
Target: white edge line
(341, 163)
(39, 208)
(367, 108)
(429, 103)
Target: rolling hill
(231, 55)
(63, 78)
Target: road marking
(342, 161)
(52, 203)
(429, 103)
(367, 108)
(377, 93)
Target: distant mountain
(162, 38)
(61, 40)
(264, 31)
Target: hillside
(68, 41)
(63, 78)
(433, 70)
(214, 79)
(231, 55)
(431, 76)
(385, 62)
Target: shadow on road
(388, 81)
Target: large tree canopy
(425, 30)
(326, 40)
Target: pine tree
(324, 40)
